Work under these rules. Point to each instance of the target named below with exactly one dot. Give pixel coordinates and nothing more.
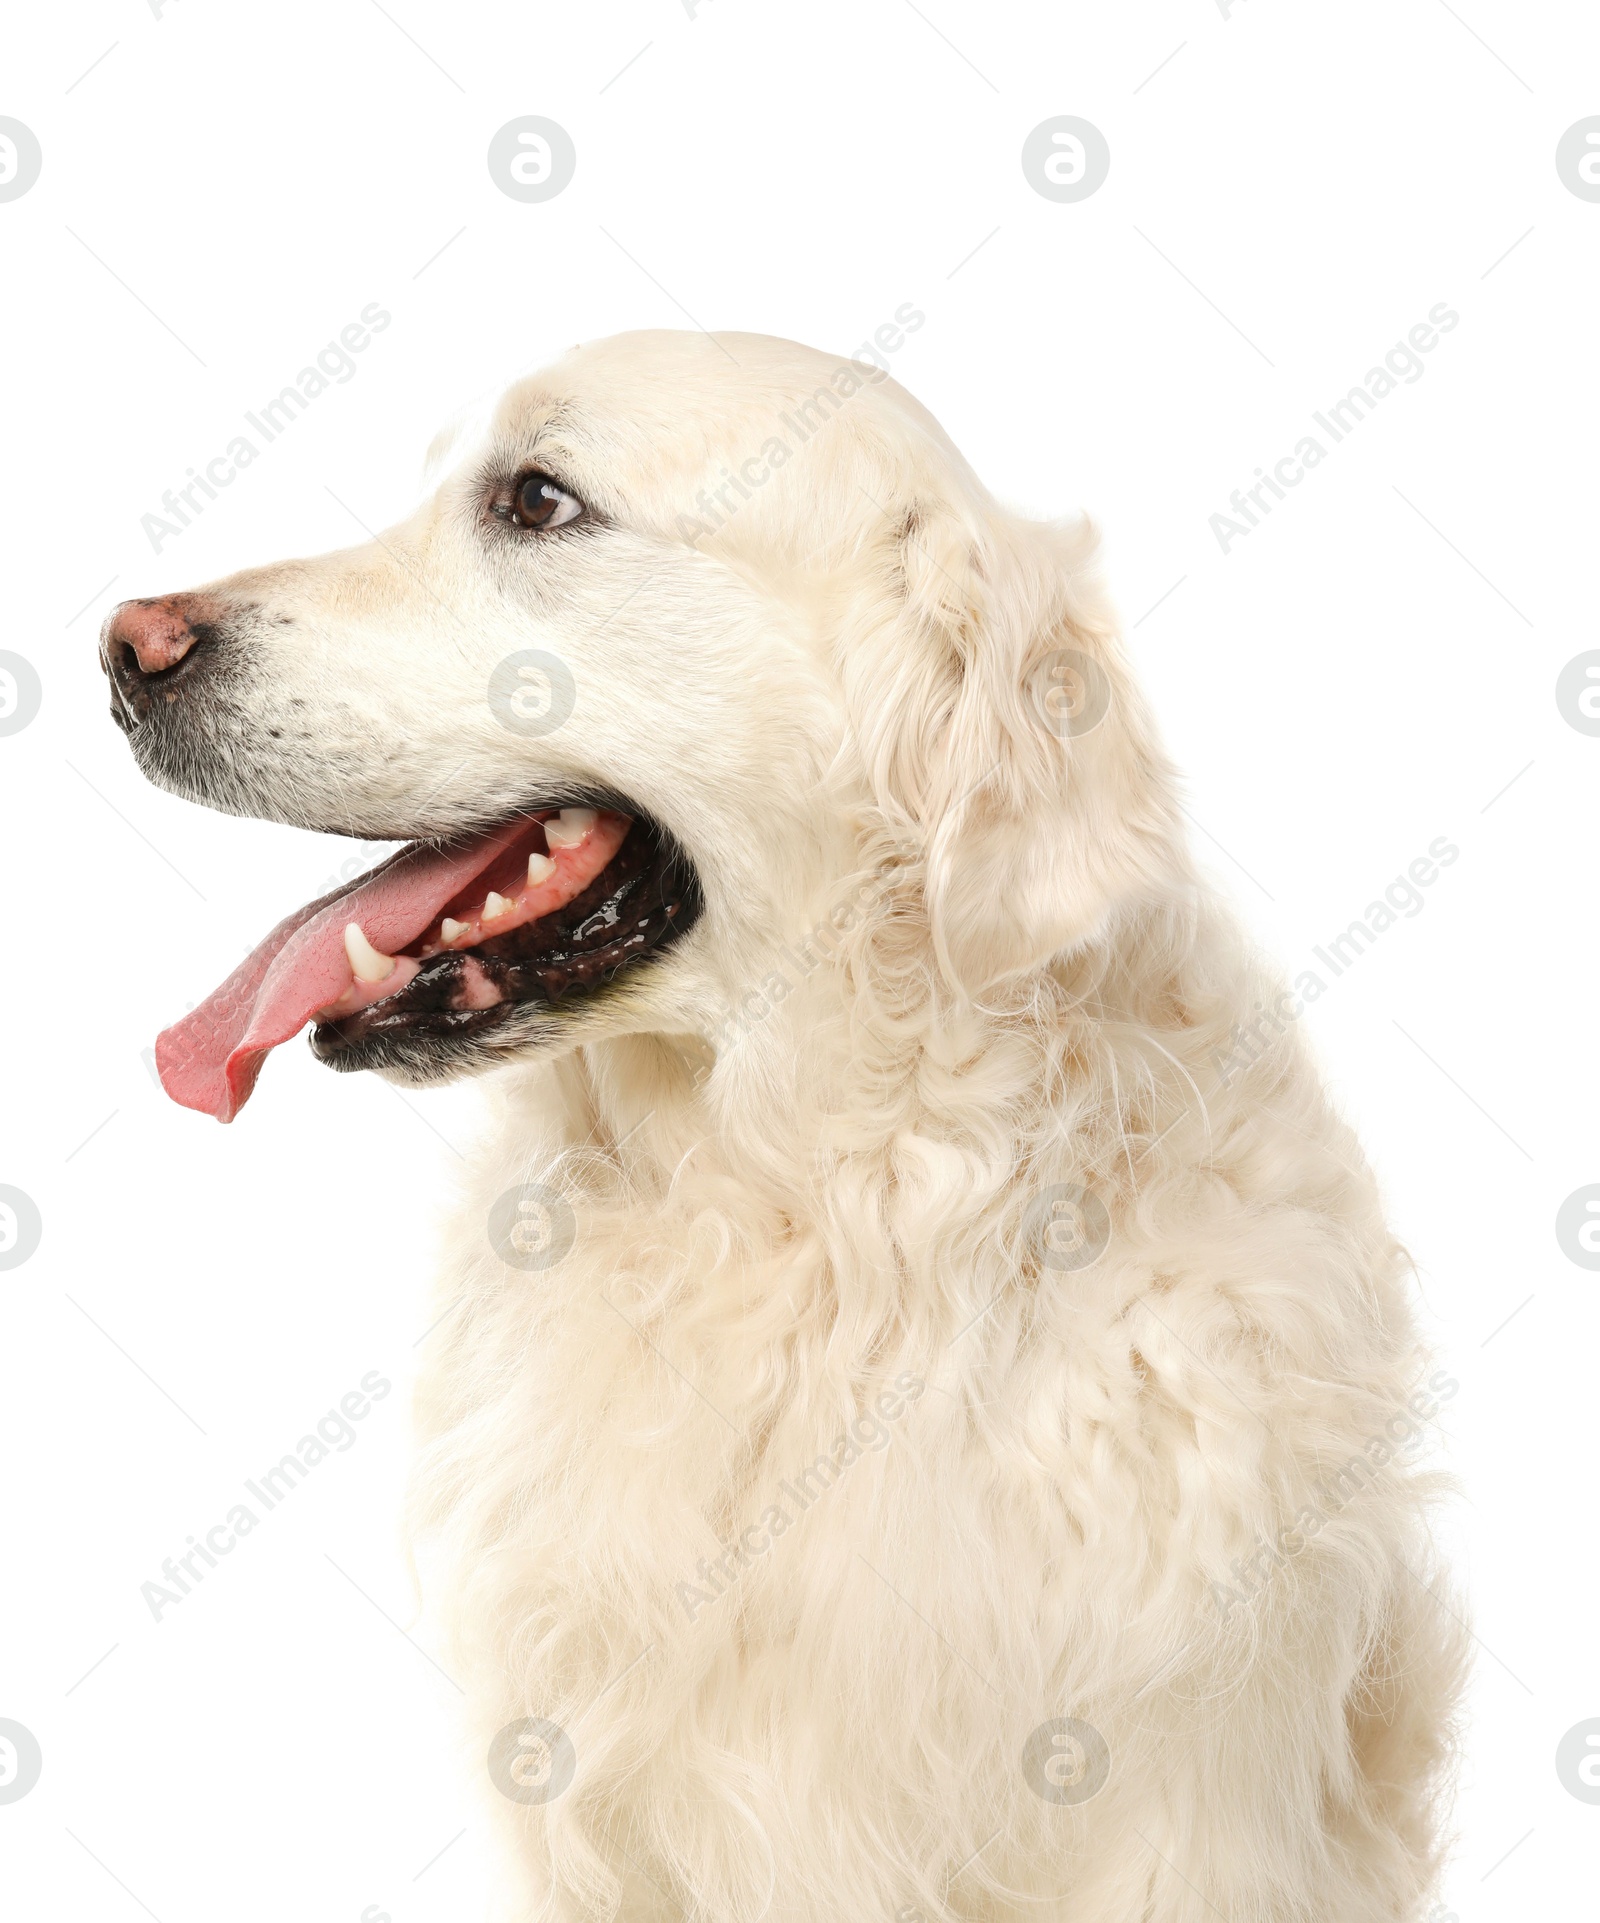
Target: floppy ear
(1003, 732)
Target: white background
(1373, 667)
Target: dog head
(682, 626)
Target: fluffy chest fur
(854, 1495)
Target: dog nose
(157, 634)
(144, 640)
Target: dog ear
(1004, 735)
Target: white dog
(925, 1421)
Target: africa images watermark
(818, 946)
(868, 1431)
(334, 363)
(334, 1433)
(1402, 898)
(867, 365)
(1402, 363)
(1399, 1441)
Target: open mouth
(421, 961)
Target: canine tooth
(451, 930)
(569, 828)
(540, 868)
(368, 963)
(495, 905)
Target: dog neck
(880, 1122)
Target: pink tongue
(211, 1058)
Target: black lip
(644, 900)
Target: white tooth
(540, 868)
(495, 905)
(451, 930)
(569, 828)
(368, 963)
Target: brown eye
(538, 502)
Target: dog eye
(538, 502)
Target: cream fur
(804, 1167)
